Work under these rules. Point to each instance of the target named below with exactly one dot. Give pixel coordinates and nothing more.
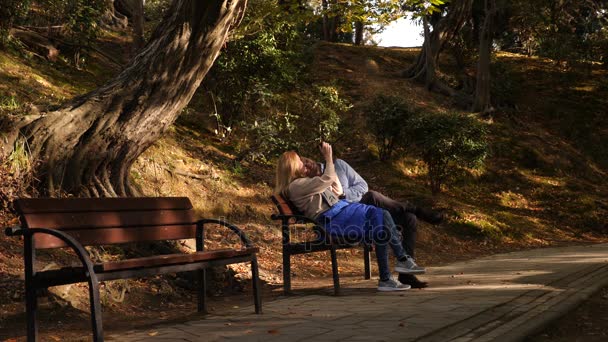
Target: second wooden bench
(78, 222)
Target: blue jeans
(393, 239)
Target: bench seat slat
(108, 236)
(173, 259)
(60, 205)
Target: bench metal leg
(31, 306)
(334, 269)
(31, 302)
(366, 261)
(202, 291)
(286, 272)
(95, 310)
(255, 278)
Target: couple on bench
(336, 197)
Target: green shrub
(11, 11)
(266, 56)
(448, 143)
(387, 116)
(309, 117)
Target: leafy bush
(448, 143)
(264, 57)
(387, 117)
(11, 11)
(309, 117)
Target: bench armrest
(82, 253)
(299, 219)
(244, 239)
(14, 231)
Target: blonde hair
(288, 169)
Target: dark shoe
(430, 216)
(410, 279)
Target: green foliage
(9, 104)
(448, 143)
(79, 20)
(374, 15)
(310, 116)
(568, 30)
(265, 58)
(19, 159)
(387, 117)
(424, 7)
(11, 11)
(82, 20)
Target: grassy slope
(538, 188)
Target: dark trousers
(403, 214)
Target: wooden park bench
(78, 222)
(290, 216)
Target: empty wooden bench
(290, 216)
(78, 222)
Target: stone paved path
(499, 298)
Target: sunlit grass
(543, 180)
(513, 200)
(9, 103)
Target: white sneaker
(409, 267)
(392, 285)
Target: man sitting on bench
(404, 213)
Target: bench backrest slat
(60, 205)
(284, 206)
(100, 221)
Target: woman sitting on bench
(318, 198)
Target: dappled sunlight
(513, 200)
(411, 167)
(498, 287)
(588, 88)
(39, 84)
(543, 180)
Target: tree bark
(88, 146)
(114, 19)
(359, 27)
(138, 24)
(444, 29)
(134, 10)
(482, 102)
(325, 6)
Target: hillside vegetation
(543, 184)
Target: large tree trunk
(482, 102)
(444, 29)
(88, 146)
